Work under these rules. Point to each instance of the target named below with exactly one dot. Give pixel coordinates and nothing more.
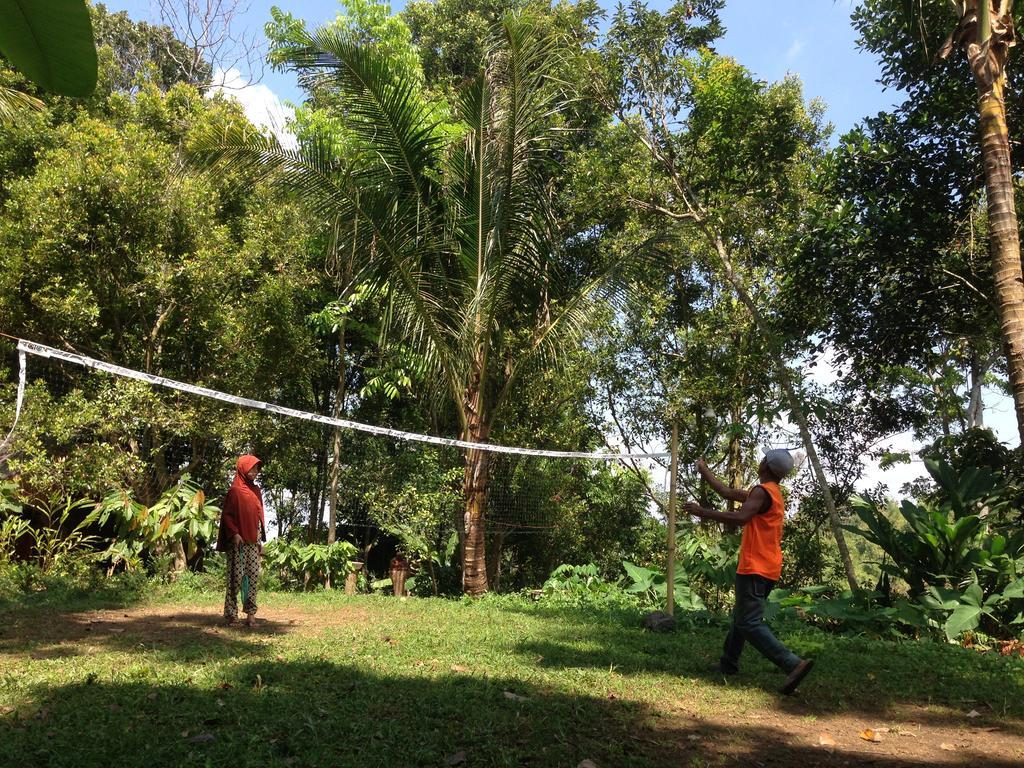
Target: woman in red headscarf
(242, 531)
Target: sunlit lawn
(327, 680)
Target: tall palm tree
(454, 217)
(985, 31)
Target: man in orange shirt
(761, 514)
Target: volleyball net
(98, 423)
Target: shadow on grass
(309, 713)
(852, 675)
(178, 634)
(61, 594)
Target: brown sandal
(796, 676)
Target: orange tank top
(761, 548)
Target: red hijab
(242, 512)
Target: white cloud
(795, 49)
(262, 106)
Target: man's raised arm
(755, 502)
(723, 490)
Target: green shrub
(582, 585)
(862, 612)
(959, 555)
(652, 589)
(181, 517)
(305, 566)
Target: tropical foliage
(50, 43)
(456, 227)
(517, 223)
(308, 565)
(180, 521)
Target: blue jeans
(748, 625)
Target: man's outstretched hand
(693, 508)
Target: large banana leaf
(50, 42)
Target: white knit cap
(779, 461)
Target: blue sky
(812, 39)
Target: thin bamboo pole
(670, 571)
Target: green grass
(367, 681)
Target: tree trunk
(987, 54)
(316, 500)
(796, 408)
(474, 552)
(976, 404)
(735, 460)
(797, 411)
(1004, 243)
(494, 551)
(339, 394)
(336, 411)
(937, 391)
(474, 490)
(670, 566)
(736, 422)
(179, 561)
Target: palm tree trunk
(474, 551)
(474, 488)
(494, 552)
(988, 62)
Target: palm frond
(310, 171)
(384, 106)
(574, 309)
(388, 242)
(14, 104)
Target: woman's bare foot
(250, 621)
(229, 620)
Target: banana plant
(51, 43)
(653, 585)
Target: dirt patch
(914, 736)
(53, 635)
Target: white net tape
(41, 350)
